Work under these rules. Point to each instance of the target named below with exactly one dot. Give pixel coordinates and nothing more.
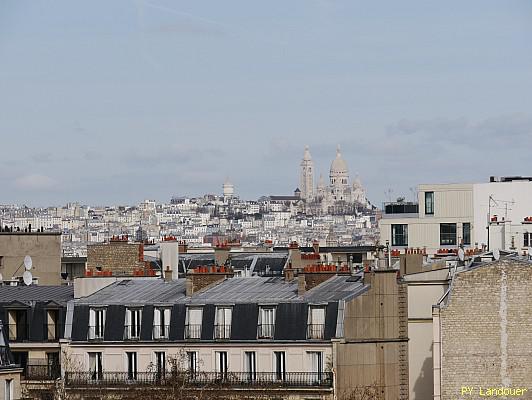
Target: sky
(113, 102)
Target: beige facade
(10, 384)
(482, 332)
(43, 248)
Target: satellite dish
(496, 254)
(530, 251)
(461, 254)
(28, 263)
(1, 278)
(27, 278)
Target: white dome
(339, 166)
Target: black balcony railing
(265, 331)
(53, 332)
(42, 372)
(222, 332)
(202, 379)
(315, 331)
(193, 331)
(161, 332)
(18, 332)
(132, 332)
(95, 332)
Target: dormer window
(132, 326)
(193, 323)
(266, 326)
(161, 323)
(222, 326)
(96, 323)
(316, 322)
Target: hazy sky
(116, 101)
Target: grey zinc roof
(231, 291)
(27, 294)
(139, 291)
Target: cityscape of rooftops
(296, 200)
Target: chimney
(221, 253)
(203, 277)
(294, 255)
(289, 274)
(183, 247)
(301, 285)
(167, 274)
(316, 246)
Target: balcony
(42, 371)
(95, 332)
(18, 332)
(131, 332)
(315, 331)
(202, 379)
(161, 332)
(193, 331)
(265, 331)
(222, 332)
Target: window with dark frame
(447, 234)
(399, 235)
(280, 365)
(466, 233)
(131, 365)
(429, 203)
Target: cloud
(34, 182)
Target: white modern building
(494, 215)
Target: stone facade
(120, 257)
(485, 330)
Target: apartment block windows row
(161, 323)
(96, 323)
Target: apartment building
(493, 215)
(9, 371)
(317, 335)
(33, 320)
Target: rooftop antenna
(388, 194)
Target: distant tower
(339, 174)
(306, 177)
(228, 189)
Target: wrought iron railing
(53, 332)
(18, 332)
(193, 331)
(222, 332)
(95, 332)
(132, 332)
(202, 379)
(42, 372)
(315, 331)
(265, 331)
(161, 332)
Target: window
(280, 365)
(399, 235)
(161, 323)
(448, 234)
(95, 366)
(193, 323)
(222, 325)
(316, 365)
(429, 203)
(192, 363)
(132, 327)
(466, 233)
(52, 328)
(527, 239)
(221, 364)
(160, 364)
(316, 322)
(131, 365)
(250, 365)
(8, 392)
(266, 322)
(1, 261)
(96, 323)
